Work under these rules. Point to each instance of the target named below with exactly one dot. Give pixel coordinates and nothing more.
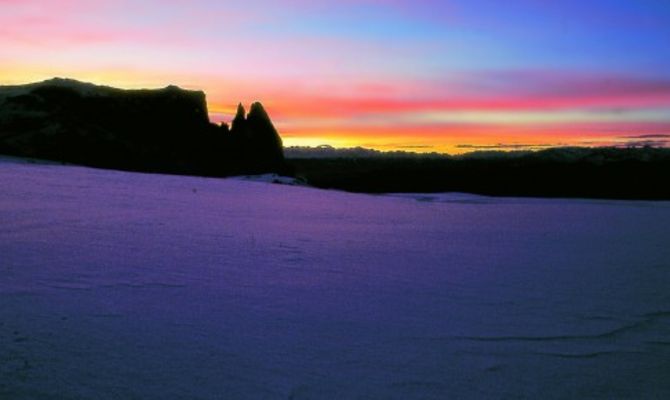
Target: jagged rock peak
(241, 113)
(238, 124)
(257, 111)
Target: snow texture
(119, 285)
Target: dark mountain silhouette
(165, 130)
(168, 130)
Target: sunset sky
(444, 75)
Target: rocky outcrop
(256, 138)
(164, 130)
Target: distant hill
(164, 130)
(601, 172)
(326, 151)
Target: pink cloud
(540, 92)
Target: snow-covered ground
(117, 285)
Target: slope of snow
(116, 285)
(272, 178)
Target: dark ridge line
(657, 314)
(604, 335)
(594, 354)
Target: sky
(421, 75)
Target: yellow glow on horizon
(375, 143)
(448, 144)
(123, 78)
(298, 141)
